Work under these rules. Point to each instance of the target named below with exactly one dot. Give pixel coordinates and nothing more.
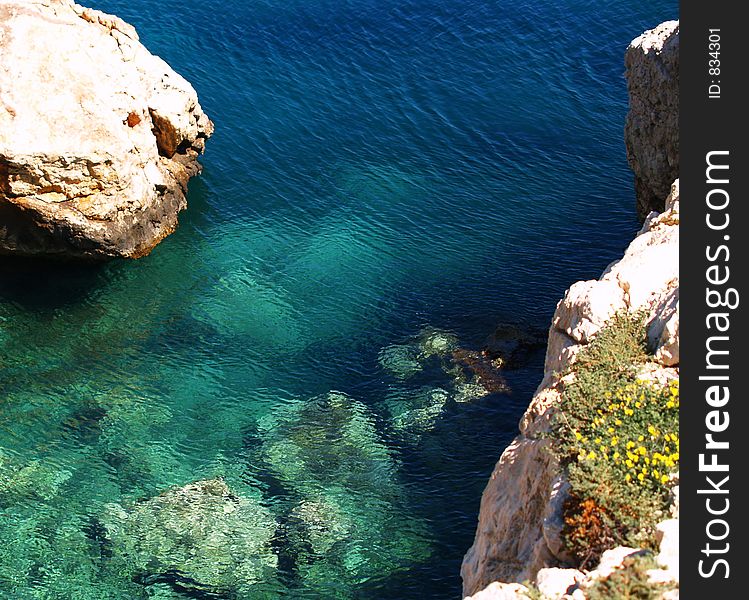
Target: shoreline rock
(651, 131)
(518, 536)
(98, 137)
(520, 518)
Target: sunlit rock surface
(98, 137)
(651, 132)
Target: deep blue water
(383, 174)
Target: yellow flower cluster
(636, 429)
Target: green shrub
(619, 440)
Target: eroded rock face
(651, 131)
(328, 453)
(98, 137)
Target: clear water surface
(388, 179)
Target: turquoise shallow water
(387, 181)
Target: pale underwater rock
(344, 538)
(405, 360)
(245, 303)
(163, 591)
(319, 523)
(469, 375)
(48, 552)
(468, 391)
(34, 479)
(330, 439)
(436, 342)
(328, 452)
(401, 360)
(413, 412)
(130, 439)
(473, 374)
(287, 294)
(201, 537)
(98, 137)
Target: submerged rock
(48, 552)
(468, 391)
(328, 440)
(435, 342)
(509, 346)
(401, 360)
(340, 538)
(405, 360)
(472, 374)
(201, 537)
(244, 303)
(317, 525)
(348, 522)
(484, 371)
(98, 137)
(413, 412)
(31, 480)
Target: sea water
(388, 181)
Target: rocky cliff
(520, 519)
(651, 132)
(98, 137)
(520, 525)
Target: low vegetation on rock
(619, 441)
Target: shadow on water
(49, 284)
(38, 284)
